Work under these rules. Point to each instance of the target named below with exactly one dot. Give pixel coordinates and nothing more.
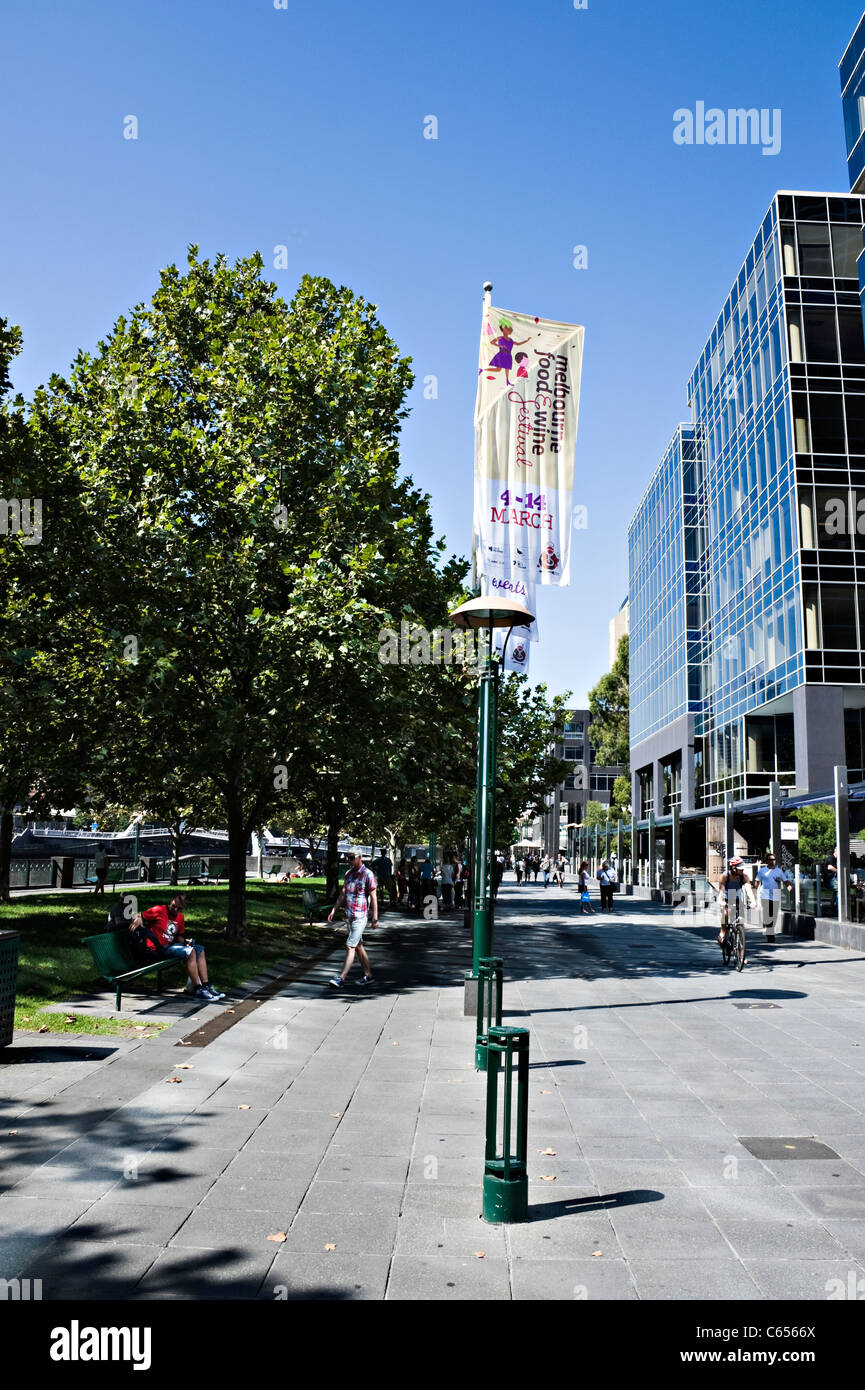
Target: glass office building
(747, 607)
(852, 69)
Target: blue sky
(304, 126)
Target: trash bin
(8, 981)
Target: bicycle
(733, 945)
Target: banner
(517, 656)
(525, 440)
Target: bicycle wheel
(727, 946)
(740, 946)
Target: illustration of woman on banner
(503, 360)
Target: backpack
(138, 939)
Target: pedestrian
(401, 882)
(536, 864)
(459, 883)
(447, 884)
(585, 896)
(561, 867)
(607, 879)
(770, 885)
(545, 870)
(518, 866)
(159, 933)
(100, 864)
(496, 874)
(357, 897)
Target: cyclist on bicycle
(733, 883)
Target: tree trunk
(333, 827)
(5, 853)
(237, 838)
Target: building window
(671, 772)
(647, 790)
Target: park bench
(113, 958)
(311, 906)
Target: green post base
(481, 1055)
(505, 1201)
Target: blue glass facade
(763, 597)
(852, 69)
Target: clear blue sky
(304, 126)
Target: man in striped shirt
(357, 896)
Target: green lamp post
(484, 614)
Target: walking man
(770, 882)
(100, 863)
(357, 896)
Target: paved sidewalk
(351, 1124)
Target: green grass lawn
(54, 966)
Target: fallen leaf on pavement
(596, 1253)
(44, 1028)
(11, 1131)
(334, 1115)
(480, 1254)
(139, 1027)
(396, 1044)
(549, 1153)
(70, 1018)
(185, 1066)
(279, 1237)
(330, 1247)
(546, 1093)
(548, 1177)
(231, 1011)
(174, 1080)
(244, 1107)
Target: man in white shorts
(358, 894)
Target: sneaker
(336, 981)
(366, 980)
(202, 993)
(214, 992)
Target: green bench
(113, 958)
(311, 906)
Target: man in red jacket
(164, 937)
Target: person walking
(545, 870)
(585, 896)
(357, 897)
(607, 879)
(518, 868)
(100, 864)
(447, 884)
(497, 869)
(561, 865)
(770, 882)
(459, 883)
(536, 864)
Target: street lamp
(485, 614)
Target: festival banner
(525, 440)
(518, 652)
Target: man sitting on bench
(159, 931)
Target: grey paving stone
(202, 1274)
(733, 1201)
(840, 1201)
(695, 1280)
(680, 1238)
(188, 1160)
(123, 1223)
(579, 1280)
(447, 1201)
(455, 1237)
(753, 1239)
(363, 1168)
(352, 1234)
(219, 1228)
(254, 1166)
(253, 1195)
(356, 1197)
(808, 1279)
(564, 1230)
(328, 1277)
(747, 1172)
(172, 1190)
(86, 1270)
(39, 1215)
(616, 1177)
(822, 1172)
(58, 1183)
(414, 1277)
(850, 1234)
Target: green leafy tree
(621, 799)
(609, 703)
(253, 534)
(817, 835)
